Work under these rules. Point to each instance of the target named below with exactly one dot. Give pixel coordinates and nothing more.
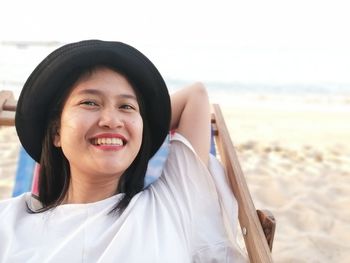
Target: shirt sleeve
(199, 201)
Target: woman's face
(101, 127)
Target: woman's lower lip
(109, 147)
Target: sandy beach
(295, 154)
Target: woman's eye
(126, 107)
(89, 103)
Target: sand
(295, 154)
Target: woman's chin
(110, 169)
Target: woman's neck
(83, 190)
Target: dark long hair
(54, 175)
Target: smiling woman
(93, 113)
(100, 133)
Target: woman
(93, 113)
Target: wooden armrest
(10, 104)
(7, 108)
(268, 224)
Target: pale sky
(267, 41)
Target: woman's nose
(110, 118)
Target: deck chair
(7, 108)
(258, 226)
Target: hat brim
(48, 80)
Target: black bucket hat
(48, 80)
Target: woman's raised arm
(191, 117)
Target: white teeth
(108, 141)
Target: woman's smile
(109, 141)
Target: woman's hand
(191, 117)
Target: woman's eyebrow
(127, 96)
(100, 93)
(89, 91)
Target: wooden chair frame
(7, 108)
(258, 226)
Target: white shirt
(185, 216)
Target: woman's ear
(56, 135)
(57, 139)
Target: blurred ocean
(18, 59)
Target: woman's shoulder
(182, 152)
(15, 200)
(178, 137)
(177, 140)
(15, 205)
(183, 168)
(171, 149)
